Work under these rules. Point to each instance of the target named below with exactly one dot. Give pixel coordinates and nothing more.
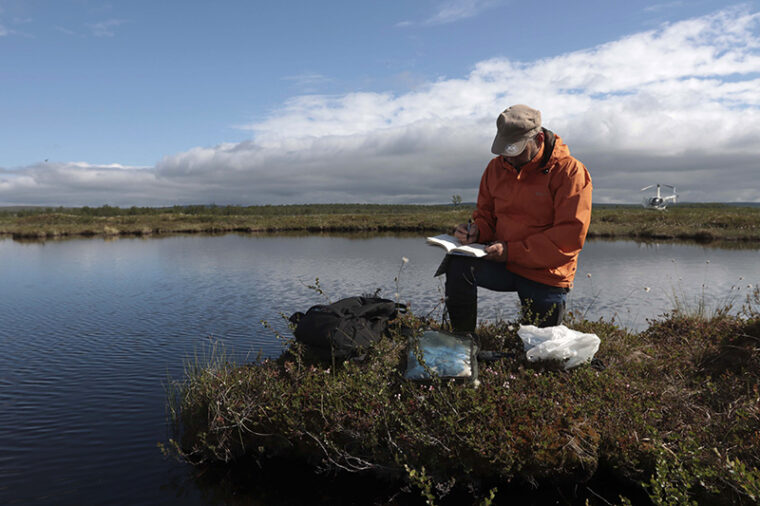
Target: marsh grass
(110, 221)
(674, 414)
(701, 222)
(705, 296)
(704, 223)
(698, 302)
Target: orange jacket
(542, 213)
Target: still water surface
(91, 329)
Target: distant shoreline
(703, 223)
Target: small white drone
(658, 201)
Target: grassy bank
(111, 221)
(688, 222)
(701, 222)
(672, 418)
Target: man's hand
(496, 252)
(461, 233)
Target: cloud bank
(677, 105)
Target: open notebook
(454, 247)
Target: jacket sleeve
(560, 243)
(484, 216)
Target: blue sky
(239, 102)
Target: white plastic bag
(558, 343)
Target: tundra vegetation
(672, 417)
(702, 222)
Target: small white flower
(707, 261)
(588, 275)
(646, 288)
(404, 260)
(749, 286)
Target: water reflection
(633, 282)
(90, 329)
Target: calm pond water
(91, 329)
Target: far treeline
(695, 222)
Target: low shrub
(673, 414)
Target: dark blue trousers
(542, 305)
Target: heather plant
(673, 414)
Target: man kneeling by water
(533, 211)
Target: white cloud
(678, 105)
(3, 30)
(663, 6)
(456, 10)
(79, 183)
(106, 28)
(451, 11)
(307, 82)
(65, 31)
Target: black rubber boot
(463, 316)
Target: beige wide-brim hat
(514, 128)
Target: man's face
(527, 155)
